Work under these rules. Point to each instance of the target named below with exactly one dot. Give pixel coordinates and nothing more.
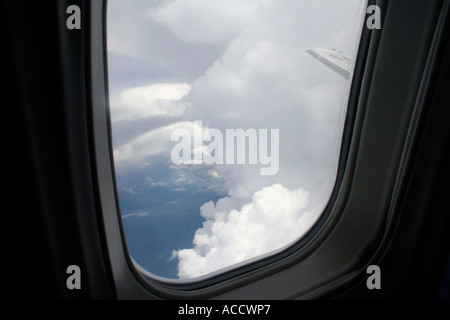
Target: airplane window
(226, 121)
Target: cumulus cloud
(265, 80)
(273, 219)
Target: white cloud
(265, 79)
(178, 189)
(159, 184)
(212, 22)
(156, 100)
(274, 218)
(213, 174)
(153, 183)
(128, 189)
(136, 214)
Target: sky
(229, 64)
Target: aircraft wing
(333, 59)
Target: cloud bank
(229, 236)
(261, 78)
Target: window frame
(311, 267)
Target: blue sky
(230, 64)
